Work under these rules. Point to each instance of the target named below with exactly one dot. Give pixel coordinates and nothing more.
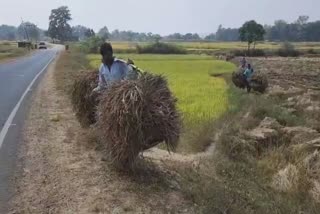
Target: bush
(288, 50)
(311, 51)
(92, 44)
(160, 48)
(253, 52)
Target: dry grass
(10, 50)
(71, 63)
(238, 177)
(137, 115)
(85, 102)
(238, 79)
(259, 82)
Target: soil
(286, 72)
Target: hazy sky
(161, 16)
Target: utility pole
(25, 30)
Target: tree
(302, 20)
(59, 27)
(312, 31)
(89, 33)
(79, 31)
(7, 32)
(104, 33)
(29, 31)
(227, 34)
(251, 32)
(211, 37)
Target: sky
(160, 16)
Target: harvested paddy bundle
(238, 79)
(259, 82)
(137, 115)
(84, 102)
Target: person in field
(111, 69)
(243, 63)
(247, 76)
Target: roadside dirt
(60, 174)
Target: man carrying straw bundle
(247, 75)
(111, 69)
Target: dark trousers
(247, 85)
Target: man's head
(106, 52)
(249, 66)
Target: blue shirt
(248, 73)
(117, 72)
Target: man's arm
(124, 69)
(101, 82)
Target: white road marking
(8, 123)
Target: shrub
(311, 51)
(92, 44)
(160, 48)
(255, 52)
(288, 50)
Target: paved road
(18, 78)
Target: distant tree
(302, 20)
(312, 31)
(211, 37)
(157, 38)
(92, 44)
(227, 34)
(59, 27)
(28, 30)
(78, 32)
(104, 33)
(251, 32)
(7, 32)
(89, 33)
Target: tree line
(59, 29)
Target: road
(18, 78)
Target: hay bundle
(259, 82)
(137, 115)
(83, 101)
(238, 79)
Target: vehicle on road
(42, 45)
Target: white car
(42, 45)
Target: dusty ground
(60, 174)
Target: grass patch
(217, 47)
(161, 48)
(237, 179)
(68, 66)
(11, 50)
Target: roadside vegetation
(202, 97)
(11, 50)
